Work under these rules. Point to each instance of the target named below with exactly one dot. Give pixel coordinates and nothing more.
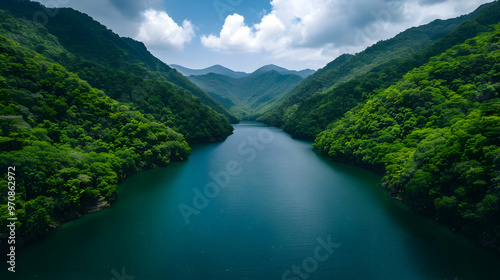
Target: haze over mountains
(246, 95)
(218, 69)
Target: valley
(247, 96)
(391, 154)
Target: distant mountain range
(249, 96)
(246, 95)
(271, 67)
(218, 69)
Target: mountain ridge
(271, 67)
(347, 67)
(323, 106)
(219, 69)
(111, 53)
(216, 69)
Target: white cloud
(320, 30)
(235, 36)
(159, 31)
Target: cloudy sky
(246, 34)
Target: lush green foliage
(248, 96)
(70, 143)
(280, 113)
(307, 119)
(436, 134)
(325, 95)
(121, 67)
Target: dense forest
(76, 118)
(436, 135)
(315, 114)
(71, 142)
(350, 79)
(121, 67)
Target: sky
(246, 34)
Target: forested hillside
(344, 82)
(436, 135)
(71, 143)
(250, 96)
(75, 120)
(315, 114)
(122, 68)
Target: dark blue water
(258, 206)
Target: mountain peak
(216, 69)
(271, 67)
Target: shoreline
(96, 206)
(481, 241)
(101, 204)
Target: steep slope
(66, 143)
(277, 116)
(436, 135)
(126, 71)
(313, 115)
(222, 88)
(348, 67)
(249, 96)
(216, 69)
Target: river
(260, 205)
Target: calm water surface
(285, 212)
